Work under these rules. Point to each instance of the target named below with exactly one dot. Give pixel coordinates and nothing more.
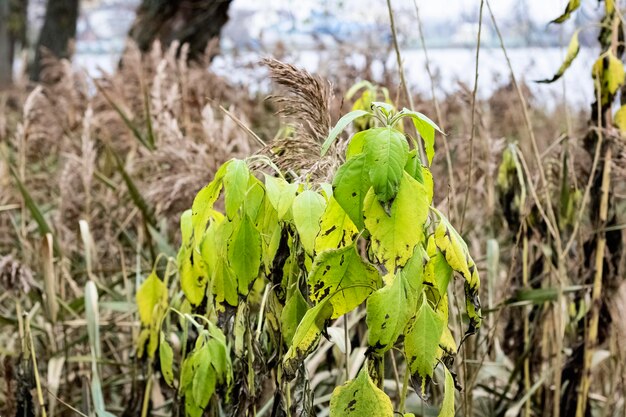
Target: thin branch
(401, 71)
(473, 131)
(440, 120)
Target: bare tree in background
(189, 21)
(58, 29)
(12, 34)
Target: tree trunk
(189, 21)
(58, 29)
(6, 55)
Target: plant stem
(405, 87)
(592, 333)
(468, 186)
(405, 388)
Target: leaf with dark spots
(344, 277)
(360, 397)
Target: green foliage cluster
(301, 254)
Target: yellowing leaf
(166, 356)
(244, 254)
(457, 255)
(202, 208)
(193, 275)
(360, 398)
(447, 342)
(142, 341)
(386, 152)
(350, 186)
(447, 406)
(342, 276)
(608, 72)
(186, 226)
(421, 342)
(437, 272)
(306, 336)
(572, 5)
(336, 228)
(395, 235)
(609, 6)
(620, 119)
(308, 208)
(428, 183)
(453, 248)
(151, 293)
(571, 54)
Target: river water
(450, 66)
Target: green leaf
(413, 277)
(204, 378)
(255, 200)
(236, 182)
(186, 226)
(202, 207)
(220, 356)
(387, 315)
(293, 312)
(360, 397)
(214, 254)
(166, 356)
(447, 406)
(414, 166)
(421, 342)
(355, 146)
(350, 186)
(191, 409)
(281, 194)
(386, 152)
(244, 254)
(306, 336)
(386, 108)
(572, 53)
(426, 128)
(336, 228)
(151, 293)
(270, 235)
(572, 5)
(344, 277)
(394, 236)
(340, 126)
(34, 209)
(308, 208)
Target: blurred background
(311, 33)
